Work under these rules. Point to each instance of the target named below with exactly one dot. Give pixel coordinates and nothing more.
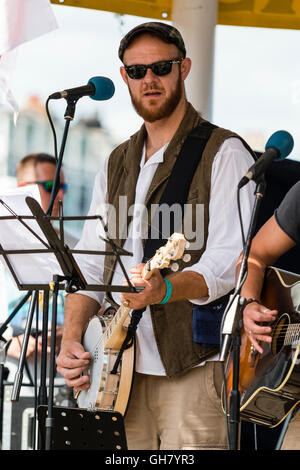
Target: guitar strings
(285, 331)
(290, 333)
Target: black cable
(53, 129)
(240, 216)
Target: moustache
(152, 89)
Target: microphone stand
(232, 321)
(69, 116)
(49, 423)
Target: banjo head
(93, 343)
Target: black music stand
(81, 429)
(68, 278)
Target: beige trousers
(292, 438)
(179, 413)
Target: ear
(186, 65)
(124, 74)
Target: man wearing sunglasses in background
(175, 402)
(40, 169)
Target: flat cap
(164, 31)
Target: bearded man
(175, 400)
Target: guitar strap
(176, 192)
(177, 189)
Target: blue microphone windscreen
(104, 88)
(283, 142)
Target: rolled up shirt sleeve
(92, 265)
(224, 242)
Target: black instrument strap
(177, 189)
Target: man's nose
(150, 76)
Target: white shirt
(224, 243)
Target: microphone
(278, 147)
(97, 88)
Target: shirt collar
(157, 157)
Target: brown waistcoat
(172, 322)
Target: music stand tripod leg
(14, 313)
(19, 374)
(3, 348)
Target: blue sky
(256, 80)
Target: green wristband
(168, 293)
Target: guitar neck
(173, 250)
(118, 320)
(147, 271)
(122, 312)
(115, 331)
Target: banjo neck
(115, 333)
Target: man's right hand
(255, 317)
(72, 363)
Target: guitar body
(269, 383)
(108, 392)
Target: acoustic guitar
(269, 383)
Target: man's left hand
(154, 289)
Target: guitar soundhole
(278, 335)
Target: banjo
(103, 338)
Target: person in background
(277, 236)
(39, 168)
(36, 168)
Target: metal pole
(196, 20)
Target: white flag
(7, 65)
(20, 21)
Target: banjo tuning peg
(174, 267)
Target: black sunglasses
(48, 185)
(161, 68)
